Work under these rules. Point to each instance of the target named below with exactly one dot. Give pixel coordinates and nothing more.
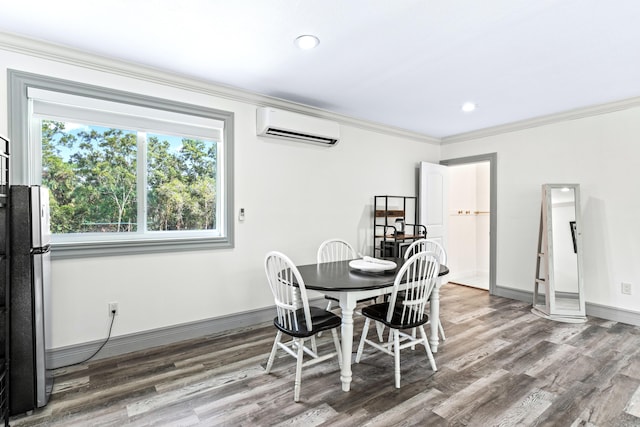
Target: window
(126, 173)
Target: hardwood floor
(500, 366)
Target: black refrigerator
(30, 237)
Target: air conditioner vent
(300, 136)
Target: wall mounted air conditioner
(297, 127)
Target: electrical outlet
(113, 309)
(625, 288)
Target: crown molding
(564, 116)
(71, 56)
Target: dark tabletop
(338, 276)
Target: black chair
(296, 318)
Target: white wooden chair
(296, 318)
(335, 250)
(429, 245)
(419, 274)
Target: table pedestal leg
(347, 305)
(435, 317)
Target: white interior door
(434, 202)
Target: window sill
(134, 247)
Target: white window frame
(27, 162)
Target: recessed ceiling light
(468, 107)
(307, 42)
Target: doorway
(472, 220)
(468, 248)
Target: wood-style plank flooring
(499, 366)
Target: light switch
(241, 215)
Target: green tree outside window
(91, 172)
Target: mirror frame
(551, 309)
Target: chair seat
(378, 312)
(321, 320)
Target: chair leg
(380, 330)
(413, 335)
(314, 346)
(425, 342)
(441, 330)
(396, 351)
(273, 351)
(336, 342)
(380, 326)
(365, 330)
(298, 380)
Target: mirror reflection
(565, 260)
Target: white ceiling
(404, 63)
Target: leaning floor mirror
(559, 291)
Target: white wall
(295, 196)
(602, 154)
